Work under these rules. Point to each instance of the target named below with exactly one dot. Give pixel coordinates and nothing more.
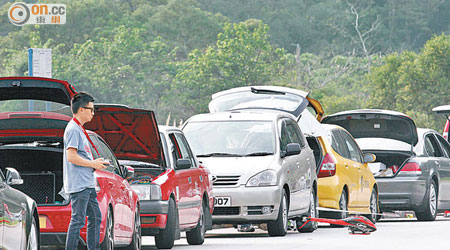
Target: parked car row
(263, 155)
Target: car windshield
(241, 100)
(33, 105)
(231, 138)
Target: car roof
(241, 115)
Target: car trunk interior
(387, 163)
(40, 168)
(317, 150)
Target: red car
(175, 191)
(32, 142)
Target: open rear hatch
(374, 123)
(284, 99)
(131, 133)
(36, 88)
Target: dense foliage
(171, 55)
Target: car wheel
(373, 216)
(430, 204)
(279, 226)
(108, 241)
(166, 237)
(32, 243)
(311, 226)
(196, 236)
(137, 236)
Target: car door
(434, 151)
(184, 180)
(356, 163)
(295, 165)
(444, 173)
(112, 186)
(13, 219)
(195, 173)
(2, 211)
(345, 167)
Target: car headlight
(264, 178)
(147, 192)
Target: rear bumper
(153, 216)
(402, 193)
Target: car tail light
(411, 168)
(328, 167)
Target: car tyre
(373, 216)
(430, 204)
(311, 226)
(108, 241)
(166, 237)
(32, 242)
(196, 236)
(279, 226)
(136, 242)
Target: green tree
(242, 56)
(127, 70)
(415, 83)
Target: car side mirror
(368, 157)
(292, 149)
(13, 177)
(128, 171)
(183, 164)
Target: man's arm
(73, 157)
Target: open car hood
(36, 88)
(284, 99)
(375, 123)
(131, 133)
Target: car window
(294, 133)
(180, 148)
(284, 136)
(338, 144)
(444, 145)
(432, 146)
(185, 149)
(353, 149)
(164, 144)
(106, 153)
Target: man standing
(78, 172)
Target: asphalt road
(398, 234)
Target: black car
(19, 221)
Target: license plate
(222, 201)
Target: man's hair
(79, 100)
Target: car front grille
(226, 180)
(226, 211)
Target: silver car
(412, 165)
(263, 169)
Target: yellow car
(345, 181)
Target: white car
(263, 169)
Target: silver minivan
(263, 170)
